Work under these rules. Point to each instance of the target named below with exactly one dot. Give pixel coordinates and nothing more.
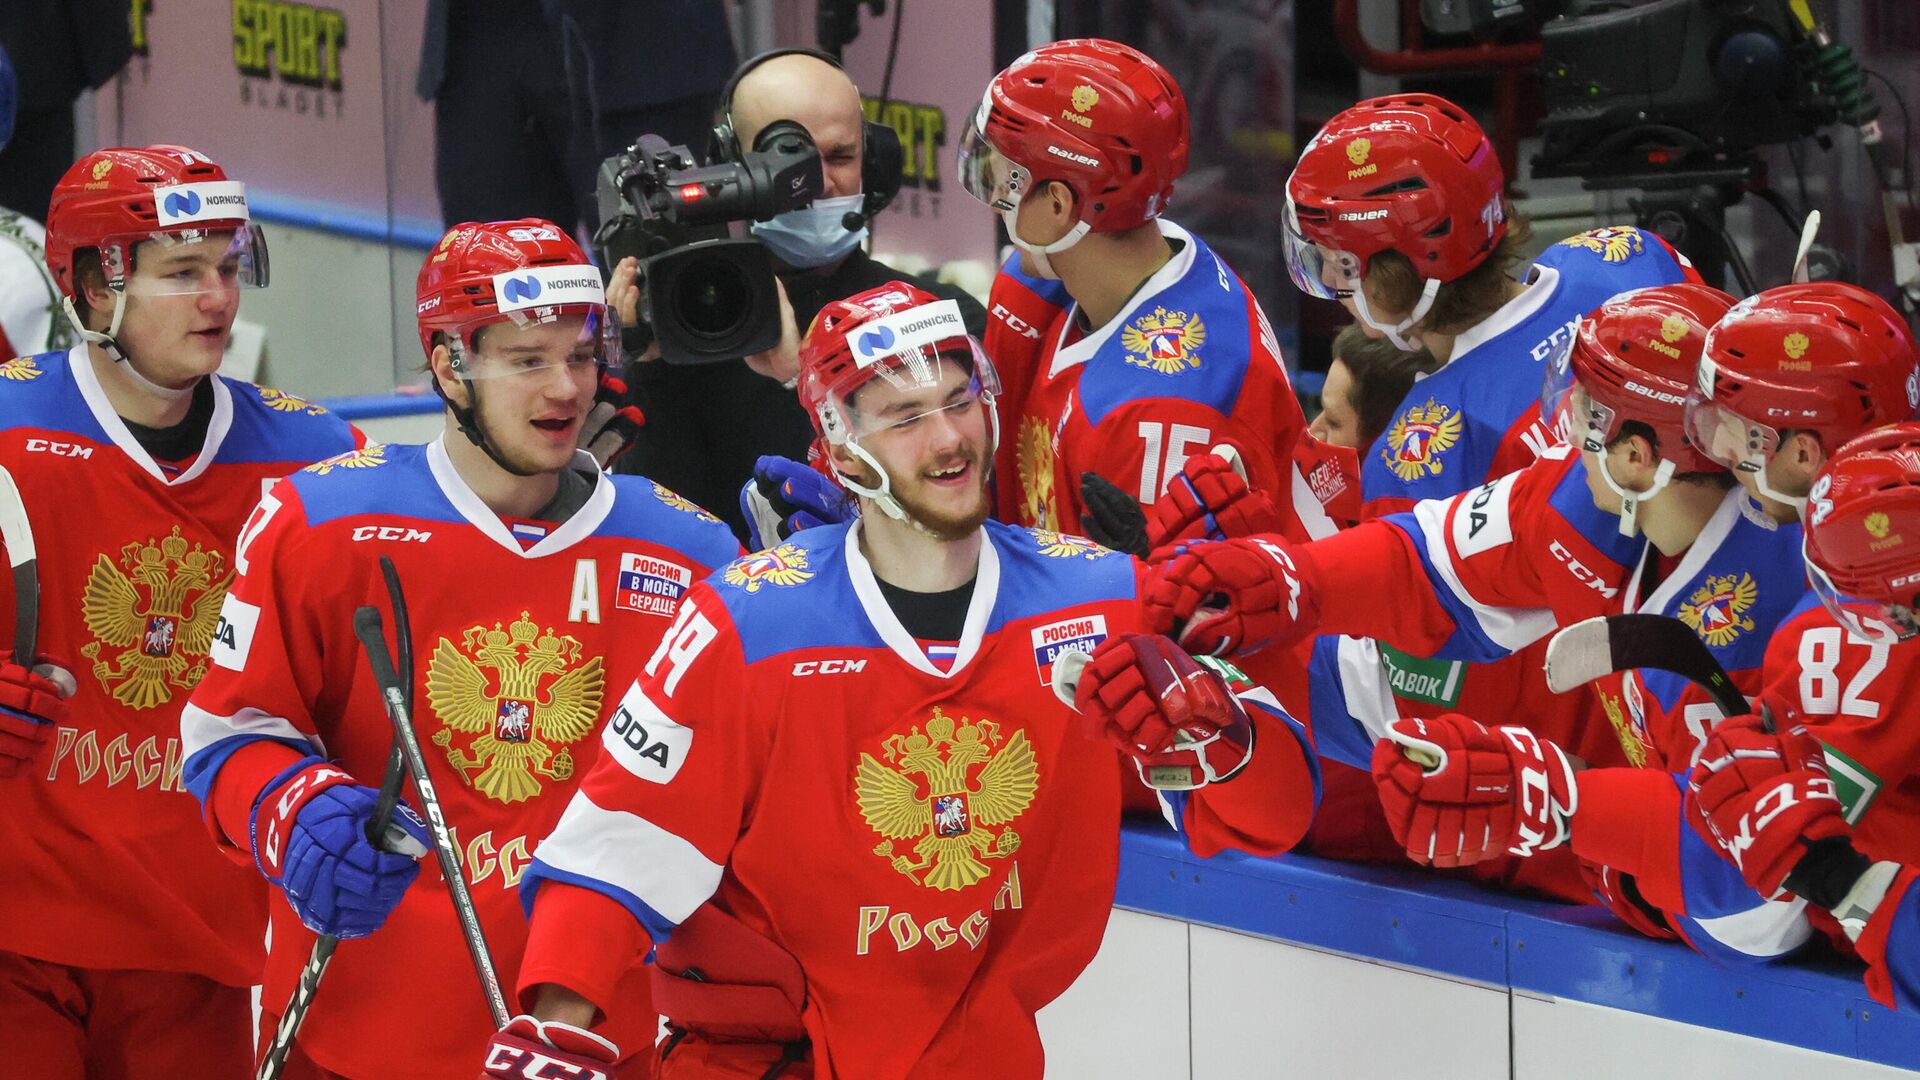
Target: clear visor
(1319, 271)
(986, 173)
(187, 262)
(1881, 624)
(526, 345)
(1727, 437)
(1567, 409)
(912, 389)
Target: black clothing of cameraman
(708, 423)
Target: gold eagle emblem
(1417, 439)
(784, 566)
(1672, 329)
(518, 692)
(1061, 546)
(1037, 506)
(944, 790)
(160, 612)
(281, 401)
(366, 457)
(1717, 610)
(1164, 341)
(680, 502)
(20, 369)
(1630, 741)
(1358, 149)
(1613, 244)
(1085, 97)
(1795, 344)
(1878, 525)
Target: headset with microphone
(882, 161)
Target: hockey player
(842, 800)
(126, 945)
(1156, 351)
(1814, 799)
(531, 575)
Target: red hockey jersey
(514, 651)
(937, 849)
(107, 864)
(1190, 363)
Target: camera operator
(708, 423)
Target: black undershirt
(930, 616)
(183, 440)
(576, 487)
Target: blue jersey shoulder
(1572, 499)
(1050, 290)
(1192, 340)
(272, 425)
(1043, 572)
(39, 392)
(795, 595)
(648, 511)
(1443, 438)
(1599, 264)
(384, 479)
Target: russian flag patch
(651, 586)
(1083, 634)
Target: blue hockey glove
(786, 496)
(310, 839)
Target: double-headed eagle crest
(1717, 610)
(1613, 244)
(1164, 341)
(20, 369)
(784, 565)
(281, 401)
(1417, 439)
(1036, 474)
(366, 457)
(680, 502)
(1062, 546)
(519, 692)
(943, 790)
(160, 612)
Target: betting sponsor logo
(233, 635)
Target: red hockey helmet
(1863, 504)
(1098, 116)
(1411, 173)
(525, 272)
(905, 337)
(1632, 360)
(1824, 356)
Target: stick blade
(1579, 654)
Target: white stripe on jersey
(200, 729)
(631, 853)
(1772, 928)
(1511, 628)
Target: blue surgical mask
(812, 235)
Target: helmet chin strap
(468, 419)
(1039, 252)
(1394, 331)
(882, 496)
(1759, 470)
(111, 346)
(1630, 500)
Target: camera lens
(711, 298)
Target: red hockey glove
(1763, 798)
(1618, 893)
(1456, 793)
(529, 1049)
(1174, 717)
(32, 703)
(1209, 499)
(612, 424)
(1231, 597)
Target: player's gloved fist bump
(612, 424)
(786, 496)
(1763, 798)
(33, 701)
(310, 838)
(1209, 499)
(1456, 793)
(529, 1049)
(1176, 718)
(1231, 597)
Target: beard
(933, 509)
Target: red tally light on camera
(692, 192)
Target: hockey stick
(367, 624)
(1606, 644)
(295, 1014)
(18, 537)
